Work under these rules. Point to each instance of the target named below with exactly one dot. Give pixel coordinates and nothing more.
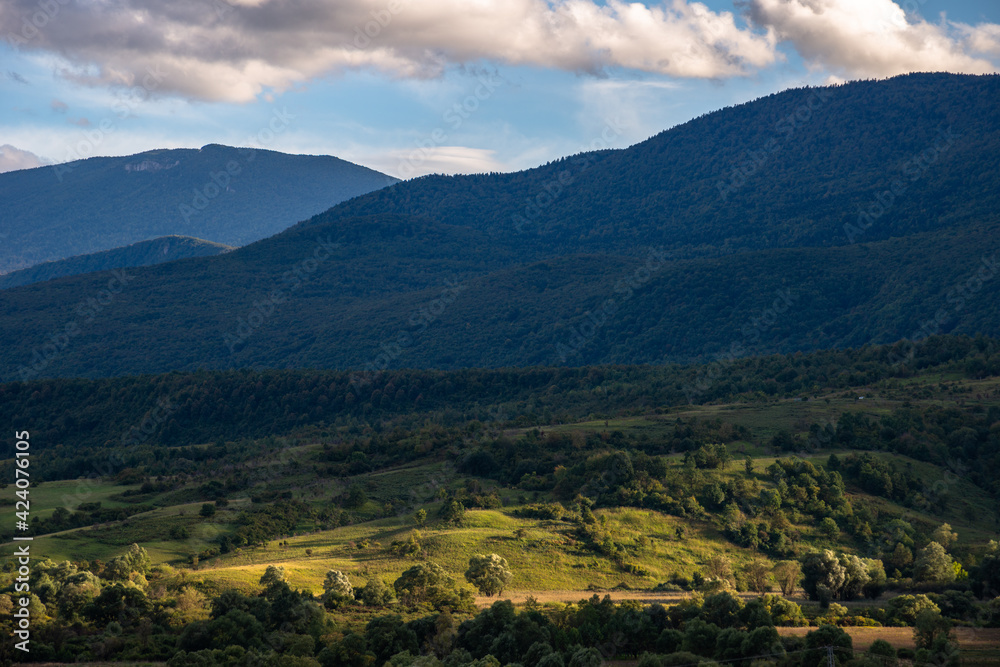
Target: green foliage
(904, 609)
(490, 574)
(273, 575)
(930, 626)
(934, 565)
(337, 589)
(822, 575)
(428, 583)
(375, 593)
(452, 512)
(135, 560)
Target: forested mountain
(227, 195)
(144, 253)
(810, 219)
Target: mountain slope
(144, 253)
(232, 196)
(808, 160)
(634, 257)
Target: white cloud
(983, 38)
(13, 158)
(410, 162)
(871, 38)
(635, 110)
(236, 51)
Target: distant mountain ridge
(226, 195)
(144, 253)
(740, 232)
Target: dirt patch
(648, 597)
(968, 638)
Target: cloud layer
(13, 158)
(874, 38)
(234, 50)
(237, 50)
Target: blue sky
(440, 85)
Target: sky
(411, 87)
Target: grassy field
(544, 555)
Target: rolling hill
(227, 195)
(810, 219)
(144, 253)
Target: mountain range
(222, 194)
(144, 253)
(814, 218)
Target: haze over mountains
(810, 219)
(226, 195)
(144, 253)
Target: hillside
(631, 256)
(183, 497)
(226, 195)
(144, 253)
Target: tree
(929, 626)
(825, 636)
(720, 567)
(123, 603)
(884, 653)
(207, 510)
(829, 528)
(822, 575)
(490, 574)
(430, 583)
(453, 512)
(905, 608)
(944, 535)
(933, 565)
(987, 575)
(272, 576)
(375, 593)
(337, 589)
(855, 576)
(121, 567)
(748, 465)
(758, 576)
(901, 558)
(722, 609)
(787, 574)
(876, 578)
(356, 497)
(420, 518)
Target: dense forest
(144, 253)
(631, 256)
(227, 195)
